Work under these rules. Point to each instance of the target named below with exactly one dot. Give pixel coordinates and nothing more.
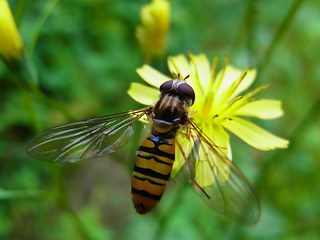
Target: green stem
(279, 34)
(30, 110)
(21, 194)
(43, 18)
(250, 20)
(245, 29)
(62, 200)
(53, 103)
(41, 96)
(19, 11)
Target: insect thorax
(169, 113)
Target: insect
(230, 193)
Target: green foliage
(86, 55)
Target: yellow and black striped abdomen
(152, 172)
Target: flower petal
(229, 75)
(254, 135)
(201, 72)
(179, 64)
(186, 145)
(152, 76)
(212, 158)
(227, 109)
(143, 94)
(262, 108)
(220, 137)
(247, 81)
(205, 174)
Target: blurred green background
(86, 54)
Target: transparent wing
(217, 179)
(85, 139)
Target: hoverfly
(230, 193)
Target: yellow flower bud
(152, 35)
(11, 44)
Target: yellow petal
(11, 45)
(211, 158)
(186, 145)
(229, 75)
(201, 72)
(254, 135)
(227, 108)
(227, 94)
(143, 94)
(220, 138)
(262, 108)
(179, 64)
(152, 76)
(205, 174)
(247, 81)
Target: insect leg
(190, 171)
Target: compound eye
(166, 86)
(187, 91)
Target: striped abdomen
(152, 172)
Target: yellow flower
(152, 35)
(217, 106)
(11, 44)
